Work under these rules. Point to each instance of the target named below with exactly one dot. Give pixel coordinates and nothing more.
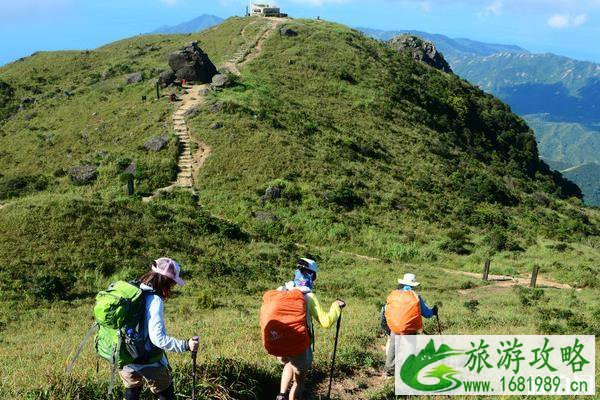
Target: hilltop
(557, 96)
(329, 144)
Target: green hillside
(587, 176)
(558, 96)
(381, 165)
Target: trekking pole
(337, 335)
(439, 325)
(194, 356)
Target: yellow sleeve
(326, 319)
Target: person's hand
(193, 344)
(340, 303)
(435, 310)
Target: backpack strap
(113, 367)
(87, 337)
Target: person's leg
(167, 394)
(300, 366)
(133, 383)
(133, 393)
(297, 389)
(286, 378)
(159, 381)
(390, 353)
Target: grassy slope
(355, 159)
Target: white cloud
(560, 21)
(494, 8)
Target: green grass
(374, 154)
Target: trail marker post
(130, 185)
(486, 270)
(534, 275)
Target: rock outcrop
(220, 81)
(136, 77)
(421, 50)
(192, 64)
(83, 174)
(166, 78)
(157, 143)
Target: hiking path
(190, 160)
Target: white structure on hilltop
(265, 10)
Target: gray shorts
(302, 362)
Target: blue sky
(566, 27)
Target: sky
(565, 27)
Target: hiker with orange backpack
(287, 327)
(402, 315)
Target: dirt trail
(354, 387)
(252, 48)
(508, 281)
(494, 280)
(189, 162)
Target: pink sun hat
(168, 268)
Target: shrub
(344, 195)
(52, 286)
(21, 185)
(471, 305)
(529, 297)
(456, 242)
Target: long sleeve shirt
(155, 331)
(314, 310)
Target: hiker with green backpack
(131, 332)
(287, 329)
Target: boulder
(216, 107)
(192, 64)
(216, 125)
(83, 174)
(421, 50)
(166, 78)
(157, 143)
(192, 112)
(136, 77)
(285, 31)
(204, 91)
(131, 168)
(220, 81)
(264, 216)
(271, 193)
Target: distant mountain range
(195, 25)
(450, 47)
(559, 97)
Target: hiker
(157, 286)
(292, 341)
(401, 316)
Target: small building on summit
(265, 10)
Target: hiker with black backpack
(287, 327)
(131, 332)
(401, 316)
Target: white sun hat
(409, 280)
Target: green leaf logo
(409, 373)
